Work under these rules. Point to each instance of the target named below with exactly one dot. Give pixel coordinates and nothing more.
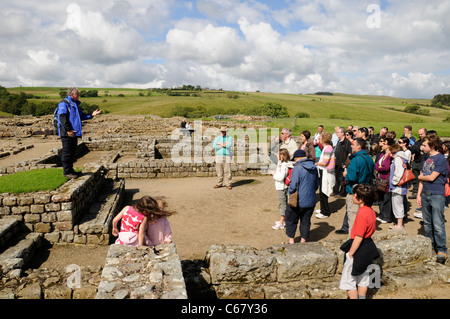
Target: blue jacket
(360, 171)
(70, 117)
(306, 176)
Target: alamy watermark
(74, 280)
(248, 146)
(374, 19)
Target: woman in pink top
(158, 228)
(326, 175)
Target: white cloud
(208, 44)
(295, 46)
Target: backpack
(287, 180)
(55, 120)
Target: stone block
(63, 197)
(48, 217)
(62, 226)
(42, 198)
(53, 237)
(9, 201)
(64, 216)
(58, 292)
(17, 210)
(305, 261)
(42, 228)
(31, 291)
(403, 250)
(37, 209)
(410, 276)
(84, 293)
(5, 210)
(52, 207)
(24, 200)
(32, 218)
(240, 264)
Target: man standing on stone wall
(70, 129)
(222, 146)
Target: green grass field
(330, 111)
(32, 181)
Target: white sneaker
(381, 220)
(418, 215)
(278, 226)
(321, 216)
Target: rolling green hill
(328, 110)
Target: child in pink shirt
(144, 223)
(158, 228)
(133, 222)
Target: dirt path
(243, 215)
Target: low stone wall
(54, 213)
(166, 168)
(142, 273)
(312, 270)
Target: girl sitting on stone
(134, 220)
(158, 227)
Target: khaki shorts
(349, 282)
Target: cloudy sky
(399, 48)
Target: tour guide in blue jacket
(306, 177)
(70, 128)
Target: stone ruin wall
(56, 213)
(231, 271)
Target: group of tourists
(364, 168)
(356, 155)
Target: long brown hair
(152, 208)
(284, 155)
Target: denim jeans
(434, 220)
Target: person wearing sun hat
(222, 146)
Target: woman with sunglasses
(404, 144)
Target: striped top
(327, 158)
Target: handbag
(408, 176)
(293, 199)
(381, 184)
(447, 188)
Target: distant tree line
(267, 109)
(323, 93)
(18, 104)
(440, 100)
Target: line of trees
(18, 104)
(267, 109)
(440, 100)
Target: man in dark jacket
(342, 150)
(416, 162)
(305, 177)
(70, 129)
